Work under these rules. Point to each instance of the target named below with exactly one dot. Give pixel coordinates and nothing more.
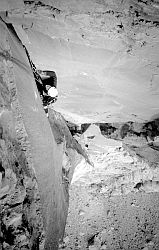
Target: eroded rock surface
(21, 223)
(105, 52)
(114, 204)
(21, 218)
(33, 159)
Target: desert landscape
(80, 171)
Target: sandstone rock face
(11, 5)
(34, 201)
(71, 154)
(105, 52)
(21, 218)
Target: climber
(48, 77)
(46, 82)
(49, 81)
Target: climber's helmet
(53, 92)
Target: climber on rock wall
(49, 77)
(49, 80)
(46, 82)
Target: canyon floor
(113, 202)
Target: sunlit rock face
(35, 164)
(105, 54)
(114, 203)
(21, 223)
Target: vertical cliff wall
(32, 197)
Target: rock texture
(114, 204)
(33, 165)
(71, 154)
(21, 223)
(105, 52)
